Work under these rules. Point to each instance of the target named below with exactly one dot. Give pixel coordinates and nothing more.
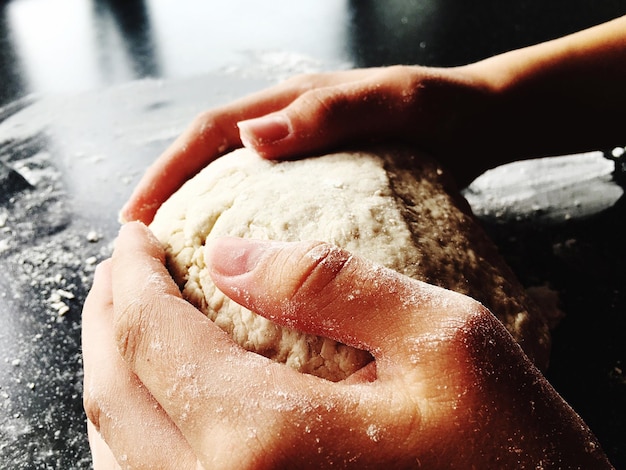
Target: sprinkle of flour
(50, 259)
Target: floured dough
(394, 207)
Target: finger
(376, 105)
(218, 394)
(101, 456)
(121, 411)
(323, 290)
(210, 135)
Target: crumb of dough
(397, 208)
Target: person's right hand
(436, 109)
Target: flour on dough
(397, 208)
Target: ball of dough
(395, 207)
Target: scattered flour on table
(49, 259)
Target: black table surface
(83, 115)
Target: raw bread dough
(392, 206)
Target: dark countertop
(83, 115)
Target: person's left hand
(449, 388)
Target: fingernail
(264, 130)
(229, 256)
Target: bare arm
(566, 95)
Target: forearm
(566, 95)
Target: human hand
(437, 109)
(449, 388)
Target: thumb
(372, 106)
(321, 289)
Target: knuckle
(215, 129)
(213, 125)
(131, 330)
(322, 105)
(479, 333)
(321, 264)
(91, 405)
(204, 125)
(203, 120)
